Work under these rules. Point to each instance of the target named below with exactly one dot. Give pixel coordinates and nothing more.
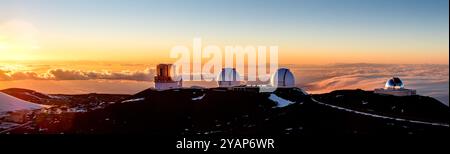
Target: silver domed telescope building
(395, 86)
(282, 78)
(394, 83)
(228, 77)
(164, 77)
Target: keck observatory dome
(228, 77)
(394, 83)
(283, 78)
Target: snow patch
(280, 101)
(10, 103)
(133, 100)
(27, 93)
(55, 96)
(8, 125)
(198, 98)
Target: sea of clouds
(428, 79)
(67, 74)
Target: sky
(306, 31)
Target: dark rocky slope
(244, 111)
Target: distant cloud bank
(427, 79)
(63, 74)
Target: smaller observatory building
(282, 78)
(396, 87)
(164, 78)
(228, 77)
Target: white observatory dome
(228, 77)
(283, 78)
(394, 83)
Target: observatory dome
(164, 77)
(394, 83)
(228, 77)
(283, 78)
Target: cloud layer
(63, 74)
(429, 80)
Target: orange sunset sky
(307, 32)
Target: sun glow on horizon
(306, 32)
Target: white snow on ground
(15, 126)
(133, 100)
(76, 109)
(10, 103)
(27, 93)
(380, 116)
(7, 125)
(280, 101)
(55, 96)
(48, 95)
(198, 98)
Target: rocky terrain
(237, 111)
